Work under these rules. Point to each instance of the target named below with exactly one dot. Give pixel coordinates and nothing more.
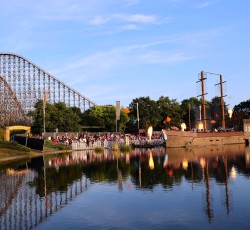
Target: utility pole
(222, 102)
(137, 111)
(45, 96)
(203, 93)
(221, 96)
(189, 119)
(203, 100)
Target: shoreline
(29, 155)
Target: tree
(243, 107)
(169, 108)
(148, 113)
(190, 104)
(56, 116)
(105, 117)
(240, 112)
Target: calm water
(200, 188)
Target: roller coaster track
(11, 112)
(29, 83)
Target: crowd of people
(85, 140)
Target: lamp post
(44, 107)
(138, 119)
(189, 116)
(118, 114)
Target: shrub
(115, 147)
(49, 144)
(99, 149)
(125, 148)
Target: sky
(119, 50)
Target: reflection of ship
(176, 155)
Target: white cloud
(206, 4)
(163, 57)
(130, 27)
(131, 19)
(99, 20)
(156, 52)
(139, 18)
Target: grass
(14, 146)
(10, 153)
(49, 144)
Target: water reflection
(33, 191)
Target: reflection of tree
(150, 178)
(57, 180)
(105, 171)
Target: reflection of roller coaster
(20, 205)
(23, 83)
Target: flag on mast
(118, 110)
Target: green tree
(65, 118)
(57, 115)
(148, 113)
(243, 107)
(105, 116)
(240, 112)
(189, 109)
(169, 108)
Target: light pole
(189, 116)
(118, 114)
(44, 107)
(137, 109)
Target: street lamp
(137, 115)
(45, 96)
(137, 109)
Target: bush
(49, 144)
(115, 146)
(99, 149)
(125, 148)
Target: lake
(158, 188)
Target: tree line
(164, 113)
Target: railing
(110, 144)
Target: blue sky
(118, 50)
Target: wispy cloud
(99, 20)
(206, 4)
(139, 18)
(158, 57)
(156, 52)
(130, 27)
(127, 18)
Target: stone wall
(177, 139)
